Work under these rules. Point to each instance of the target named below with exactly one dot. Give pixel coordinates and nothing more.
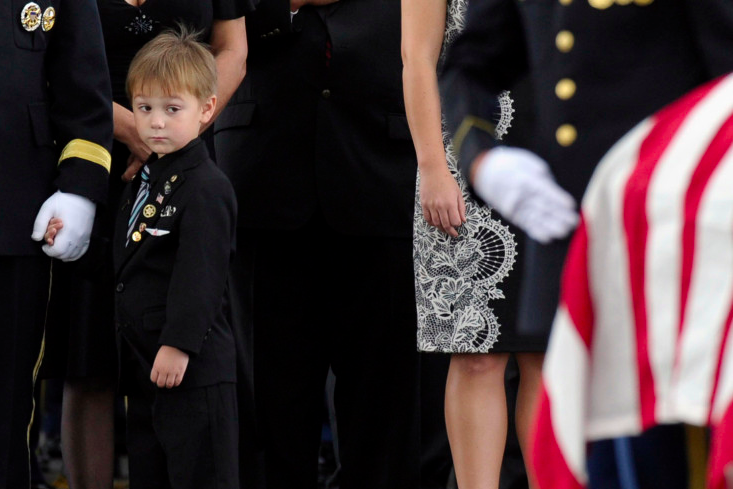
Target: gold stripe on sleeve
(87, 150)
(468, 123)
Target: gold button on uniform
(600, 4)
(566, 135)
(565, 40)
(565, 89)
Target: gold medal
(149, 211)
(136, 236)
(49, 19)
(601, 4)
(30, 16)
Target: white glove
(519, 185)
(77, 214)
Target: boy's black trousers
(182, 438)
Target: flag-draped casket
(642, 333)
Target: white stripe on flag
(565, 372)
(614, 388)
(709, 300)
(665, 213)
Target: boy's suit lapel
(157, 204)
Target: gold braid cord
(87, 150)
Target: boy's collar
(158, 165)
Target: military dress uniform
(598, 67)
(57, 127)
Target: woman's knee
(479, 364)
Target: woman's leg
(87, 432)
(476, 417)
(530, 379)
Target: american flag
(642, 333)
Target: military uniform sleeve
(198, 282)
(81, 99)
(488, 57)
(712, 26)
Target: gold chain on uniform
(604, 4)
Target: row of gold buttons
(565, 89)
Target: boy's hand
(54, 226)
(169, 366)
(77, 213)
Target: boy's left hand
(169, 367)
(54, 226)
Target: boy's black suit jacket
(320, 121)
(170, 287)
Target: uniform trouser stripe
(24, 293)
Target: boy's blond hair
(174, 62)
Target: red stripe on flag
(549, 467)
(719, 366)
(699, 181)
(575, 286)
(721, 451)
(636, 226)
(722, 143)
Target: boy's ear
(207, 109)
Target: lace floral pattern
(455, 278)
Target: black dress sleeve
(269, 21)
(233, 9)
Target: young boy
(173, 243)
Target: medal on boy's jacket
(30, 16)
(157, 232)
(159, 199)
(167, 188)
(136, 236)
(49, 19)
(149, 211)
(168, 211)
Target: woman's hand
(441, 200)
(126, 133)
(133, 166)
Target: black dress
(80, 337)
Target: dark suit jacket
(54, 90)
(170, 287)
(313, 125)
(623, 63)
